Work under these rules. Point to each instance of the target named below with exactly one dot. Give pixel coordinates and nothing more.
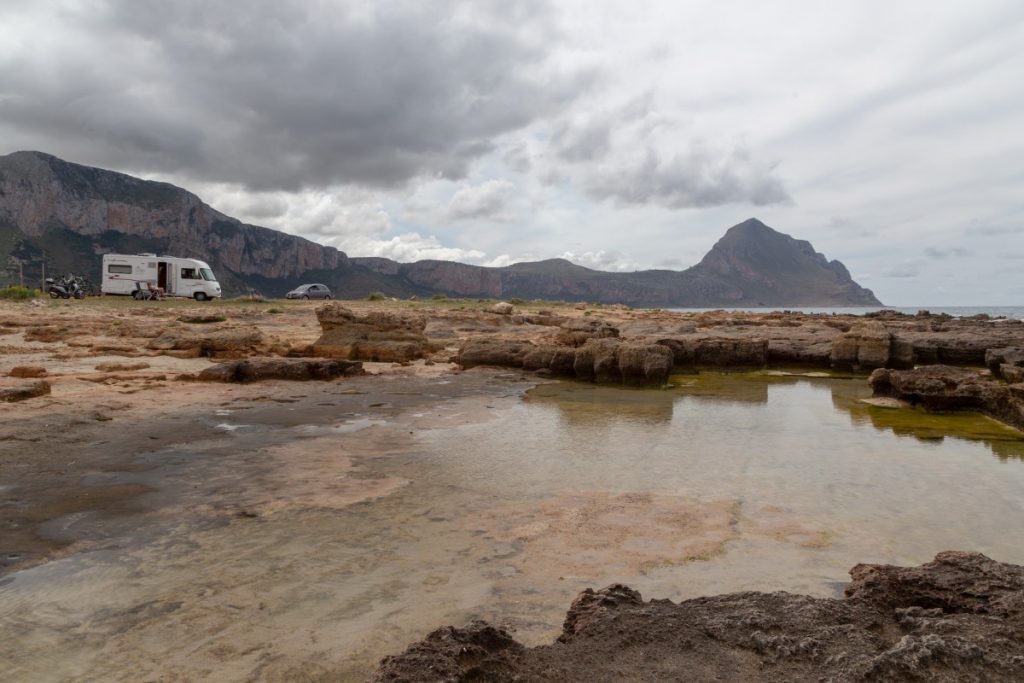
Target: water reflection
(581, 404)
(585, 404)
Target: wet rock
(230, 342)
(27, 371)
(578, 331)
(24, 392)
(1006, 363)
(257, 369)
(960, 617)
(945, 388)
(375, 336)
(477, 652)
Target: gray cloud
(286, 94)
(904, 270)
(582, 142)
(695, 179)
(951, 252)
(988, 230)
(631, 154)
(487, 201)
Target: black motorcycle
(65, 289)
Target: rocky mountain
(752, 265)
(65, 216)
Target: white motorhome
(129, 273)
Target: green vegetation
(376, 296)
(16, 292)
(439, 296)
(275, 310)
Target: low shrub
(376, 296)
(439, 296)
(16, 292)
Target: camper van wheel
(201, 297)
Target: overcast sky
(617, 135)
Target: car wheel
(305, 297)
(328, 297)
(200, 296)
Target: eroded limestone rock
(945, 388)
(959, 617)
(296, 369)
(229, 342)
(1006, 363)
(24, 392)
(375, 336)
(870, 345)
(606, 360)
(578, 331)
(27, 371)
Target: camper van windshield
(207, 274)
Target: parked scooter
(65, 289)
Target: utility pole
(21, 276)
(42, 286)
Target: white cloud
(410, 247)
(603, 260)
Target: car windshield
(207, 274)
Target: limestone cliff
(67, 214)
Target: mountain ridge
(66, 215)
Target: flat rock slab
(960, 617)
(297, 369)
(24, 391)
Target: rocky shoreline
(71, 371)
(959, 617)
(610, 344)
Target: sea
(1016, 312)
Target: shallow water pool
(311, 549)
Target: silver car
(309, 292)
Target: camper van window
(189, 274)
(124, 269)
(207, 274)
